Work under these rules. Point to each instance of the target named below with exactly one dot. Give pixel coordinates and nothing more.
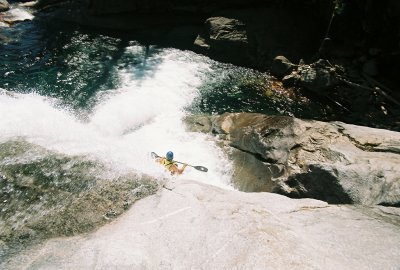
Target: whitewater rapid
(143, 114)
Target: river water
(108, 99)
(114, 100)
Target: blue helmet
(170, 155)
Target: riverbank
(334, 162)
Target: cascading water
(76, 137)
(144, 114)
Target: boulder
(259, 35)
(334, 162)
(4, 5)
(224, 38)
(317, 77)
(189, 225)
(281, 66)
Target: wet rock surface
(4, 5)
(12, 14)
(334, 162)
(281, 66)
(194, 226)
(46, 194)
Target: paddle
(199, 168)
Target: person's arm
(180, 171)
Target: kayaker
(169, 163)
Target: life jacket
(168, 164)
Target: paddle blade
(200, 168)
(154, 155)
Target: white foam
(144, 115)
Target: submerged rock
(4, 5)
(334, 162)
(194, 226)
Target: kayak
(199, 168)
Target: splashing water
(126, 124)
